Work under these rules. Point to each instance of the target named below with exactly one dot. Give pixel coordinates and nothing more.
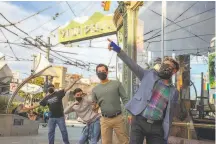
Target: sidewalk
(74, 123)
(177, 140)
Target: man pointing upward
(153, 104)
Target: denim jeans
(91, 132)
(62, 126)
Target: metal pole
(48, 48)
(196, 125)
(33, 67)
(48, 56)
(202, 99)
(162, 28)
(174, 77)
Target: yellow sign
(97, 25)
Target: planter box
(14, 125)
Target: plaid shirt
(158, 102)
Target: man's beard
(165, 72)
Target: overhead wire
(83, 12)
(8, 43)
(53, 18)
(27, 46)
(28, 40)
(85, 8)
(68, 58)
(181, 20)
(177, 17)
(27, 34)
(20, 59)
(181, 38)
(71, 9)
(179, 26)
(201, 48)
(15, 25)
(40, 11)
(110, 59)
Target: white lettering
(87, 29)
(52, 100)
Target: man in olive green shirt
(107, 95)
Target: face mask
(78, 99)
(51, 90)
(165, 72)
(102, 75)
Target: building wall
(59, 81)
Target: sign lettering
(98, 25)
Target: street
(74, 134)
(41, 138)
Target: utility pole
(48, 56)
(162, 28)
(33, 67)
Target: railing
(189, 125)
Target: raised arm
(134, 67)
(76, 79)
(26, 109)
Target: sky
(81, 10)
(200, 33)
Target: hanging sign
(97, 25)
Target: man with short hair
(54, 102)
(153, 105)
(83, 108)
(107, 95)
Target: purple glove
(115, 47)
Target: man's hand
(113, 46)
(76, 77)
(95, 107)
